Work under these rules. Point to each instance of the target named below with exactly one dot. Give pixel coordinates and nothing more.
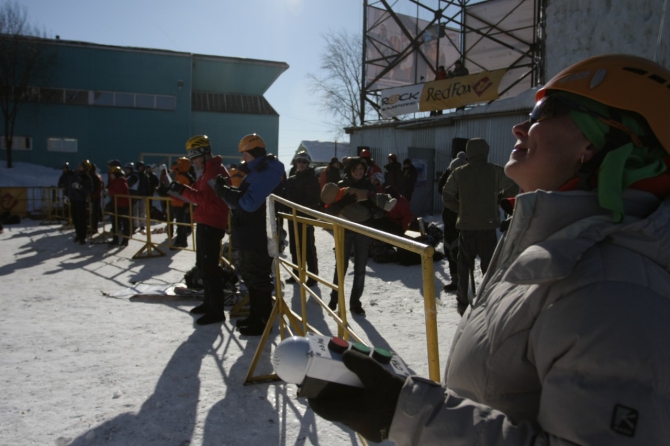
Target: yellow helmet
(250, 142)
(621, 81)
(198, 145)
(116, 169)
(87, 165)
(183, 164)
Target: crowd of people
(563, 341)
(128, 187)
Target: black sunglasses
(553, 106)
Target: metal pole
(363, 68)
(660, 30)
(430, 310)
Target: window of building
(124, 99)
(145, 101)
(103, 98)
(67, 145)
(165, 102)
(76, 97)
(230, 103)
(18, 143)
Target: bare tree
(23, 61)
(340, 85)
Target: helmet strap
(614, 139)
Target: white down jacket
(568, 340)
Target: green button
(361, 348)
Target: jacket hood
(460, 160)
(477, 150)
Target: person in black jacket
(410, 176)
(134, 184)
(358, 212)
(393, 176)
(62, 184)
(303, 189)
(143, 190)
(79, 187)
(96, 198)
(449, 218)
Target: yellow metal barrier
(149, 247)
(45, 203)
(297, 324)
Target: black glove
(220, 189)
(338, 206)
(348, 199)
(371, 412)
(228, 194)
(177, 187)
(220, 179)
(162, 190)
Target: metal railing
(297, 324)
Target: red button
(338, 345)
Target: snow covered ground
(79, 367)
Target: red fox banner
(461, 91)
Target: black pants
(96, 214)
(310, 256)
(361, 246)
(256, 270)
(179, 216)
(449, 218)
(123, 222)
(208, 254)
(79, 218)
(471, 244)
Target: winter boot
(211, 319)
(255, 328)
(200, 309)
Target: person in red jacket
(117, 185)
(211, 215)
(373, 168)
(401, 215)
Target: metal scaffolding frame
(449, 14)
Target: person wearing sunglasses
(566, 340)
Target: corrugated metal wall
(496, 130)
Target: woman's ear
(587, 153)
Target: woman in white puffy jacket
(567, 339)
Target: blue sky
(280, 30)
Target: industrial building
(102, 102)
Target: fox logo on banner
(461, 91)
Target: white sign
(401, 100)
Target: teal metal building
(103, 102)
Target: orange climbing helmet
(621, 81)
